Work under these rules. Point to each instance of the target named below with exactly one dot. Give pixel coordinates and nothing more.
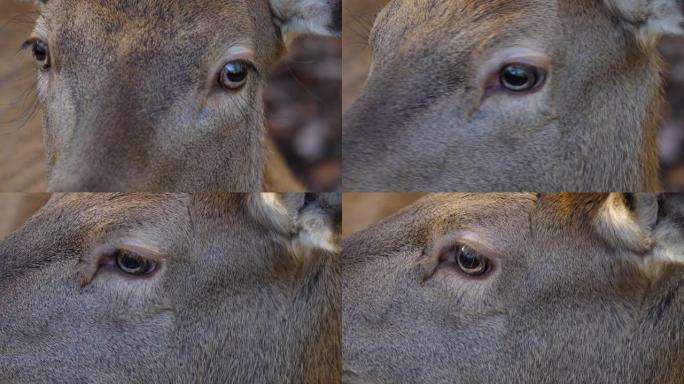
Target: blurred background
(358, 19)
(361, 210)
(16, 208)
(302, 103)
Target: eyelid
(239, 53)
(468, 241)
(28, 43)
(89, 265)
(39, 33)
(145, 252)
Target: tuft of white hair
(304, 16)
(650, 18)
(307, 229)
(627, 229)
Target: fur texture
(650, 19)
(132, 101)
(562, 303)
(628, 226)
(431, 116)
(322, 17)
(229, 302)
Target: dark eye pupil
(234, 74)
(132, 264)
(468, 261)
(519, 77)
(310, 198)
(471, 263)
(40, 51)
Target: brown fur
(563, 302)
(131, 101)
(236, 299)
(424, 122)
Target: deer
(173, 288)
(159, 96)
(514, 96)
(517, 288)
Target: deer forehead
(73, 225)
(162, 12)
(92, 214)
(462, 23)
(498, 218)
(480, 207)
(178, 32)
(502, 218)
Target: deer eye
(131, 263)
(521, 77)
(468, 260)
(234, 75)
(41, 53)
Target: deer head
(510, 96)
(524, 288)
(109, 288)
(161, 95)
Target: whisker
(27, 103)
(19, 83)
(358, 28)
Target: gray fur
(132, 101)
(423, 122)
(231, 304)
(563, 305)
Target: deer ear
(322, 17)
(650, 19)
(626, 221)
(310, 221)
(638, 223)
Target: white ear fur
(650, 18)
(268, 209)
(627, 228)
(315, 227)
(635, 229)
(320, 17)
(308, 227)
(670, 248)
